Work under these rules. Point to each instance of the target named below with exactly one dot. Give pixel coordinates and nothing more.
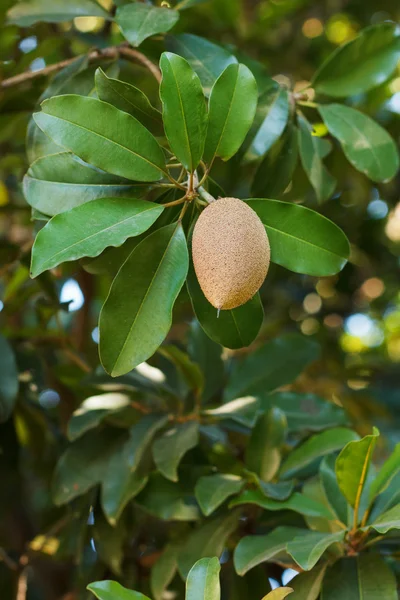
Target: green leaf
(212, 491)
(84, 464)
(388, 470)
(366, 577)
(122, 482)
(305, 412)
(277, 491)
(263, 452)
(361, 64)
(184, 110)
(208, 355)
(64, 78)
(278, 593)
(315, 447)
(232, 106)
(208, 540)
(352, 466)
(93, 410)
(184, 4)
(8, 380)
(109, 543)
(88, 229)
(189, 370)
(320, 178)
(389, 520)
(271, 118)
(306, 549)
(170, 448)
(331, 489)
(111, 590)
(275, 171)
(243, 410)
(255, 549)
(25, 14)
(164, 570)
(134, 321)
(386, 499)
(203, 580)
(276, 363)
(168, 501)
(128, 98)
(307, 586)
(301, 239)
(206, 58)
(140, 21)
(297, 502)
(235, 328)
(38, 144)
(103, 136)
(59, 182)
(368, 147)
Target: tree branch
(100, 54)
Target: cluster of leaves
(110, 134)
(203, 452)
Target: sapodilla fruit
(231, 252)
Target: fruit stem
(175, 202)
(205, 195)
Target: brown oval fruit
(231, 252)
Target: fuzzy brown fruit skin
(231, 253)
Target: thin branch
(100, 54)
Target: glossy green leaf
(134, 321)
(306, 549)
(271, 118)
(208, 355)
(301, 239)
(190, 371)
(93, 410)
(208, 540)
(103, 136)
(235, 328)
(352, 466)
(318, 445)
(38, 144)
(139, 21)
(84, 464)
(307, 585)
(170, 448)
(111, 590)
(320, 178)
(212, 491)
(278, 593)
(387, 471)
(368, 147)
(232, 106)
(162, 573)
(109, 543)
(206, 58)
(386, 499)
(8, 379)
(263, 451)
(122, 482)
(27, 13)
(276, 363)
(130, 99)
(389, 520)
(184, 109)
(203, 580)
(243, 410)
(306, 412)
(275, 171)
(366, 577)
(331, 489)
(277, 491)
(88, 229)
(168, 501)
(297, 502)
(253, 550)
(361, 64)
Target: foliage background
(355, 316)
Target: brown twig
(104, 53)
